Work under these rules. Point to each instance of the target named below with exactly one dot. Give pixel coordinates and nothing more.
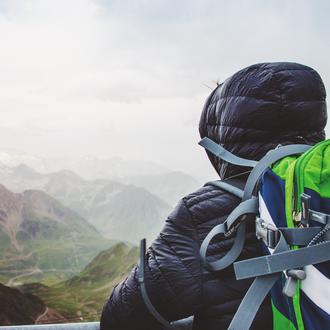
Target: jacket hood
(262, 106)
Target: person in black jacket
(253, 111)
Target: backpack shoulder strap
(219, 151)
(249, 205)
(234, 185)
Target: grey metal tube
(62, 326)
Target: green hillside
(84, 294)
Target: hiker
(252, 112)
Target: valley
(66, 240)
(82, 296)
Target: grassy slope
(52, 260)
(85, 293)
(57, 259)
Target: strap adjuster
(273, 236)
(308, 214)
(305, 209)
(267, 232)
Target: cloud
(125, 77)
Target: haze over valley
(67, 237)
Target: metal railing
(62, 326)
(184, 324)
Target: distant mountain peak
(65, 173)
(24, 171)
(33, 211)
(15, 158)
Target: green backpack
(287, 194)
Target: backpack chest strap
(281, 261)
(293, 236)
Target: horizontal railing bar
(61, 326)
(178, 325)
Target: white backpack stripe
(316, 286)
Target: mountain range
(53, 224)
(42, 239)
(87, 167)
(59, 231)
(127, 210)
(120, 211)
(170, 186)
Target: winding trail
(42, 315)
(31, 272)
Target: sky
(129, 78)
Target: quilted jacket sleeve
(125, 308)
(171, 273)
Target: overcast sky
(129, 78)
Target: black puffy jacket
(252, 112)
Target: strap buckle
(267, 232)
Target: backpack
(287, 195)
